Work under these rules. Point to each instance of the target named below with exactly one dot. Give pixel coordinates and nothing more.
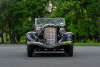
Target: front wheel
(29, 50)
(69, 50)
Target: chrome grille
(50, 35)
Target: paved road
(15, 56)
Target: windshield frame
(55, 19)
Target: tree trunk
(6, 37)
(18, 39)
(84, 40)
(77, 37)
(12, 38)
(2, 36)
(96, 37)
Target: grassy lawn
(87, 44)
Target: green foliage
(20, 15)
(80, 16)
(17, 17)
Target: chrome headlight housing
(38, 29)
(62, 30)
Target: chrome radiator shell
(50, 35)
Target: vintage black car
(49, 35)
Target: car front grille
(50, 35)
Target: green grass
(87, 44)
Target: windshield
(43, 21)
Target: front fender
(68, 36)
(31, 36)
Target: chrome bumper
(39, 44)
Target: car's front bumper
(61, 44)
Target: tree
(81, 16)
(21, 17)
(17, 17)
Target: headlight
(38, 29)
(62, 30)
